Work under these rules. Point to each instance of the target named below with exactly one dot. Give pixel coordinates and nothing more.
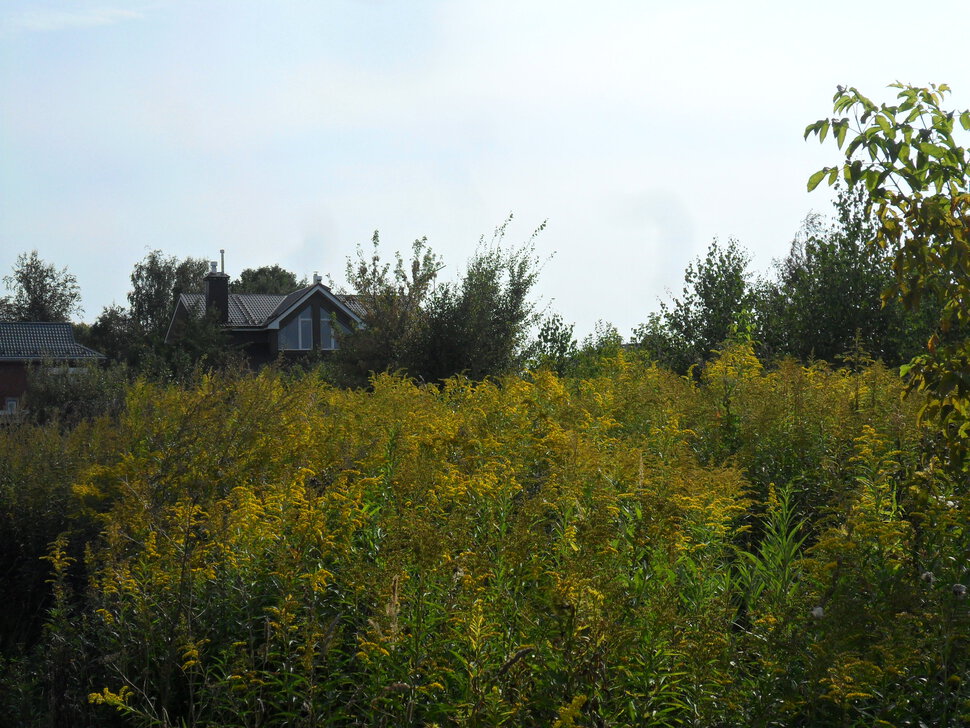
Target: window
(328, 339)
(10, 406)
(330, 329)
(298, 333)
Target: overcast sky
(288, 131)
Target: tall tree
(716, 293)
(826, 295)
(111, 333)
(40, 291)
(477, 325)
(156, 282)
(267, 279)
(555, 346)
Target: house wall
(13, 381)
(256, 345)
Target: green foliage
(716, 293)
(392, 301)
(71, 394)
(554, 347)
(40, 291)
(111, 334)
(478, 325)
(136, 335)
(266, 279)
(917, 175)
(156, 282)
(264, 549)
(828, 290)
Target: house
(26, 344)
(264, 325)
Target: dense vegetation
(627, 548)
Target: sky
(286, 132)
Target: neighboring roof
(34, 340)
(258, 309)
(354, 304)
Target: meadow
(745, 545)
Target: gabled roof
(35, 341)
(258, 310)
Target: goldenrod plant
(628, 548)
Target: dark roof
(40, 340)
(354, 304)
(245, 309)
(258, 309)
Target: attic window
(297, 335)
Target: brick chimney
(217, 292)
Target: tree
(826, 296)
(478, 325)
(111, 333)
(392, 301)
(40, 291)
(716, 292)
(156, 282)
(918, 180)
(266, 279)
(136, 334)
(555, 346)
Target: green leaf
(816, 178)
(932, 150)
(841, 127)
(965, 120)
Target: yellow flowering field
(752, 546)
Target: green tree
(479, 324)
(917, 177)
(156, 282)
(111, 333)
(555, 346)
(40, 291)
(266, 279)
(717, 291)
(136, 334)
(826, 295)
(392, 300)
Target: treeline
(829, 298)
(478, 323)
(823, 301)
